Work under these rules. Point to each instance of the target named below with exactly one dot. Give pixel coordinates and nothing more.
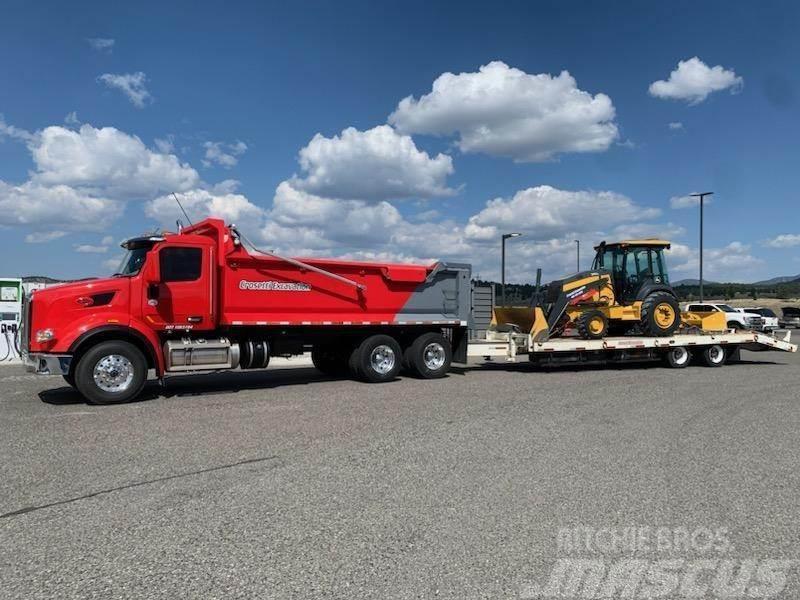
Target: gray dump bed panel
(445, 296)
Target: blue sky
(108, 107)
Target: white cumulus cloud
(733, 262)
(688, 201)
(130, 84)
(15, 133)
(222, 154)
(41, 237)
(693, 80)
(545, 212)
(57, 205)
(373, 165)
(84, 178)
(202, 203)
(784, 240)
(90, 249)
(675, 126)
(106, 159)
(504, 111)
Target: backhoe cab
(628, 286)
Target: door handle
(194, 319)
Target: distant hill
(693, 282)
(775, 280)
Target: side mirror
(151, 272)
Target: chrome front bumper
(47, 364)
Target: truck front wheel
(111, 372)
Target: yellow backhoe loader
(628, 287)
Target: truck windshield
(726, 308)
(132, 262)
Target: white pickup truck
(735, 319)
(769, 316)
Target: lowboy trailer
(677, 351)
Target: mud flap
(459, 341)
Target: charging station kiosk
(10, 314)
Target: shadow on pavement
(227, 382)
(204, 384)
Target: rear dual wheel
(713, 356)
(379, 358)
(429, 356)
(329, 360)
(710, 356)
(678, 357)
(376, 359)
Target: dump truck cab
(637, 267)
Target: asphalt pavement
(287, 484)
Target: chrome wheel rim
(382, 359)
(680, 355)
(434, 356)
(716, 354)
(113, 373)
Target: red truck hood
(63, 308)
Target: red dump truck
(199, 300)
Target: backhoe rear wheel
(592, 325)
(661, 315)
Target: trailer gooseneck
(199, 301)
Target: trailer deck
(509, 345)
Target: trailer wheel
(429, 356)
(377, 359)
(111, 372)
(70, 379)
(714, 356)
(678, 357)
(592, 325)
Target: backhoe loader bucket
(528, 320)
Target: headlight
(45, 335)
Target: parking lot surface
(283, 483)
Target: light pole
(578, 242)
(503, 265)
(702, 196)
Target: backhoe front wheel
(592, 325)
(661, 315)
(111, 372)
